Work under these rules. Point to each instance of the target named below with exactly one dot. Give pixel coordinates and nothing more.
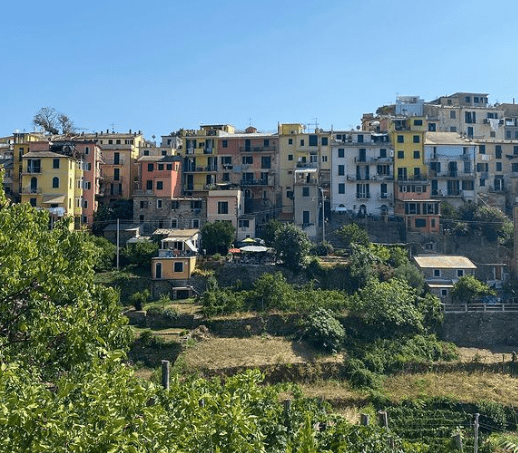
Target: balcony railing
(363, 196)
(254, 148)
(31, 190)
(254, 182)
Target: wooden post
(165, 374)
(364, 420)
(458, 441)
(383, 419)
(475, 436)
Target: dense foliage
(469, 288)
(291, 246)
(217, 237)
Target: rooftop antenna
(113, 128)
(249, 120)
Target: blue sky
(158, 66)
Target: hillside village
(395, 175)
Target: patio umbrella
(254, 248)
(249, 240)
(234, 250)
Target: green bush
(140, 298)
(324, 331)
(359, 376)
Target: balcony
(385, 196)
(254, 182)
(307, 165)
(31, 190)
(363, 196)
(115, 162)
(253, 149)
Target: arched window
(55, 182)
(158, 270)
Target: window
(341, 152)
(499, 166)
(116, 158)
(149, 184)
(515, 150)
(383, 153)
(244, 223)
(32, 201)
(143, 205)
(400, 154)
(146, 152)
(160, 166)
(85, 204)
(224, 143)
(420, 223)
(444, 292)
(266, 162)
(118, 142)
(325, 141)
(149, 167)
(359, 138)
(313, 140)
(169, 166)
(432, 127)
(417, 154)
(460, 273)
(453, 129)
(178, 266)
(341, 170)
(401, 139)
(55, 163)
(324, 158)
(498, 151)
(305, 217)
(247, 160)
(195, 223)
(482, 182)
(468, 185)
(158, 270)
(55, 183)
(416, 139)
(225, 177)
(418, 122)
(305, 191)
(160, 185)
(222, 207)
(341, 188)
(453, 114)
(195, 204)
(159, 204)
(514, 168)
(116, 174)
(482, 149)
(266, 143)
(301, 142)
(467, 99)
(436, 272)
(290, 141)
(87, 150)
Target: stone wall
(478, 329)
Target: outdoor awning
(53, 199)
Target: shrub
(324, 331)
(139, 298)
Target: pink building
(413, 203)
(161, 176)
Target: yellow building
(407, 136)
(201, 161)
(302, 150)
(52, 181)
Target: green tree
(412, 275)
(469, 288)
(139, 253)
(272, 291)
(324, 331)
(291, 246)
(389, 308)
(108, 214)
(269, 231)
(353, 234)
(104, 253)
(492, 222)
(217, 237)
(52, 315)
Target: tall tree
(291, 246)
(217, 236)
(53, 122)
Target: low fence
(480, 307)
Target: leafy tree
(353, 234)
(105, 253)
(139, 253)
(324, 331)
(53, 122)
(412, 275)
(291, 246)
(389, 308)
(492, 223)
(269, 231)
(363, 263)
(52, 315)
(469, 288)
(272, 291)
(217, 237)
(108, 214)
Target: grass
(184, 306)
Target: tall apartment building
(362, 175)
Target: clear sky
(158, 66)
